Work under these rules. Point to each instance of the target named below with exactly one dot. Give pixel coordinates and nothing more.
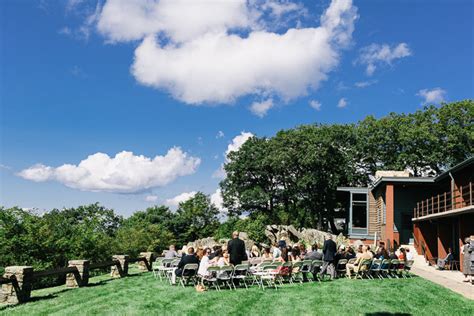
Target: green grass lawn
(141, 294)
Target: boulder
(308, 236)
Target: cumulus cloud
(342, 103)
(436, 95)
(260, 109)
(151, 198)
(218, 201)
(237, 142)
(124, 173)
(180, 20)
(375, 55)
(315, 105)
(234, 145)
(198, 58)
(183, 197)
(220, 134)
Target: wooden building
(433, 213)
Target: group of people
(235, 252)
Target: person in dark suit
(185, 259)
(329, 254)
(236, 249)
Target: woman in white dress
(204, 264)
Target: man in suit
(236, 249)
(185, 259)
(329, 253)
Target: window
(359, 215)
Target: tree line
(290, 178)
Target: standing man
(236, 249)
(329, 253)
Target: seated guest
(314, 254)
(402, 256)
(393, 255)
(205, 263)
(442, 262)
(255, 252)
(340, 254)
(190, 257)
(359, 251)
(276, 251)
(295, 254)
(382, 252)
(215, 250)
(356, 265)
(284, 256)
(171, 253)
(350, 253)
(224, 260)
(200, 253)
(370, 250)
(267, 254)
(302, 251)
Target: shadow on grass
(31, 300)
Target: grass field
(141, 294)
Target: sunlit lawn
(142, 294)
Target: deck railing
(446, 201)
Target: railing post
(470, 193)
(461, 198)
(445, 201)
(81, 276)
(432, 205)
(438, 205)
(19, 290)
(121, 268)
(422, 210)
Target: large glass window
(359, 214)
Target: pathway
(452, 280)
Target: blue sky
(77, 80)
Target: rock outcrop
(291, 235)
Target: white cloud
(218, 201)
(151, 198)
(315, 105)
(381, 54)
(205, 62)
(220, 134)
(279, 8)
(183, 197)
(237, 142)
(180, 20)
(234, 145)
(364, 84)
(342, 103)
(124, 173)
(260, 109)
(436, 95)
